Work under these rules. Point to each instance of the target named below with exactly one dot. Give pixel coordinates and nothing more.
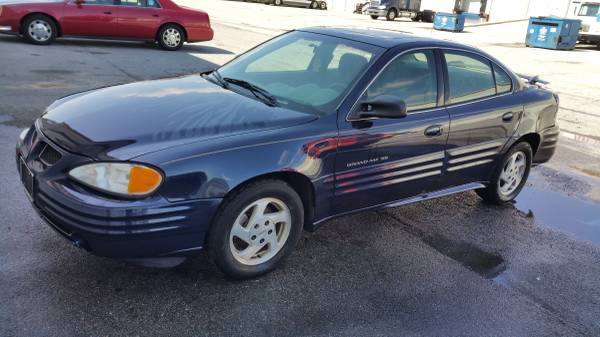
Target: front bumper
(375, 11)
(150, 227)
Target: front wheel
(323, 5)
(39, 29)
(374, 17)
(510, 176)
(391, 15)
(255, 229)
(314, 5)
(171, 37)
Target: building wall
(549, 7)
(505, 10)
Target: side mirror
(383, 106)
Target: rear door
(95, 18)
(381, 160)
(484, 114)
(139, 19)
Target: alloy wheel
(260, 231)
(512, 173)
(39, 30)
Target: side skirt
(406, 201)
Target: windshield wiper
(257, 91)
(217, 78)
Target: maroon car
(162, 21)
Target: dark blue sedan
(313, 124)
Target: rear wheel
(374, 17)
(39, 29)
(256, 228)
(277, 2)
(391, 15)
(323, 5)
(314, 5)
(171, 37)
(510, 176)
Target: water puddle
(486, 264)
(578, 217)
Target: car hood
(126, 121)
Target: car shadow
(82, 42)
(33, 76)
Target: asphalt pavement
(447, 267)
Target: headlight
(23, 134)
(118, 178)
(382, 7)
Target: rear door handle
(507, 117)
(434, 130)
(155, 15)
(107, 12)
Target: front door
(94, 18)
(139, 19)
(388, 159)
(484, 114)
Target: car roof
(381, 37)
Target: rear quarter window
(503, 81)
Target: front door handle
(434, 130)
(507, 117)
(155, 15)
(107, 12)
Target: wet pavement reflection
(576, 216)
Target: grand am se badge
(367, 161)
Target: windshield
(589, 10)
(304, 71)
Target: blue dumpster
(450, 22)
(552, 33)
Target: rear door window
(470, 77)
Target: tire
(277, 2)
(498, 193)
(322, 5)
(170, 37)
(391, 15)
(417, 17)
(39, 29)
(374, 17)
(313, 5)
(428, 16)
(228, 250)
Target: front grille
(48, 155)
